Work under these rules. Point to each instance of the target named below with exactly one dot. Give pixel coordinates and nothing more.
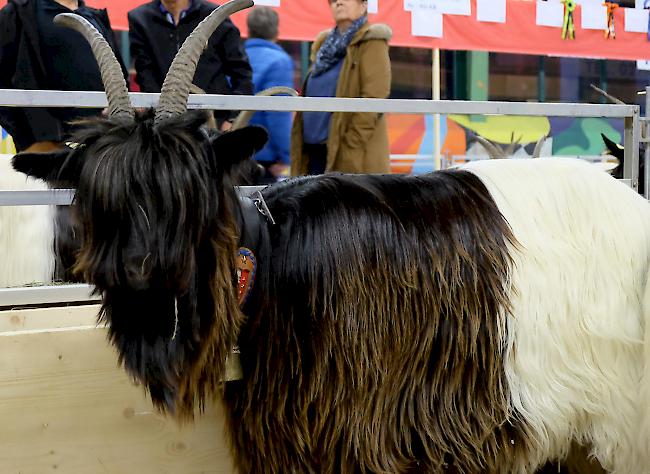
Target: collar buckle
(261, 206)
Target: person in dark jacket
(272, 66)
(37, 54)
(158, 29)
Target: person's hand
(226, 125)
(279, 170)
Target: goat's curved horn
(493, 151)
(245, 115)
(538, 146)
(119, 104)
(176, 87)
(510, 149)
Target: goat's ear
(614, 149)
(56, 167)
(233, 147)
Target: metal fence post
(646, 149)
(631, 149)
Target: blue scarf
(335, 46)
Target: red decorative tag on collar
(246, 267)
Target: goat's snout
(138, 270)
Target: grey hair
(263, 23)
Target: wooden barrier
(65, 406)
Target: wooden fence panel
(65, 406)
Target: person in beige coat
(349, 61)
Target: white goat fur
(26, 233)
(577, 366)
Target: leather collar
(252, 219)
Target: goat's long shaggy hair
(466, 321)
(382, 347)
(159, 243)
(401, 328)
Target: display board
(513, 26)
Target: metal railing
(644, 137)
(39, 98)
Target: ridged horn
(493, 151)
(119, 104)
(176, 87)
(245, 115)
(510, 148)
(611, 98)
(537, 151)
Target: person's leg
(266, 177)
(317, 158)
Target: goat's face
(153, 203)
(158, 239)
(146, 198)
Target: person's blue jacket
(272, 66)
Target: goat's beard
(151, 338)
(176, 345)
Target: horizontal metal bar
(63, 197)
(38, 295)
(60, 197)
(410, 157)
(39, 98)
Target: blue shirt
(169, 17)
(272, 66)
(316, 125)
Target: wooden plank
(44, 319)
(66, 407)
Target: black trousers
(316, 157)
(266, 177)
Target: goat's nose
(138, 270)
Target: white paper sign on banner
(636, 20)
(373, 7)
(447, 7)
(549, 14)
(455, 7)
(642, 64)
(426, 21)
(410, 5)
(594, 17)
(491, 10)
(268, 3)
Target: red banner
(303, 19)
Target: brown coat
(357, 142)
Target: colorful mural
(412, 142)
(6, 143)
(581, 136)
(412, 135)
